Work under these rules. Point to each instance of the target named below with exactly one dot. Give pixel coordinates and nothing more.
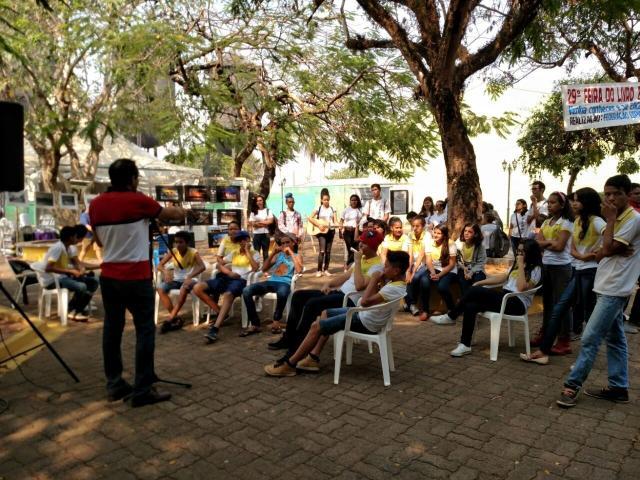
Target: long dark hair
(532, 257)
(359, 205)
(254, 204)
(591, 205)
(423, 211)
(566, 208)
(526, 209)
(444, 248)
(477, 234)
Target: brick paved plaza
(465, 418)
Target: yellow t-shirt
(467, 252)
(187, 262)
(393, 244)
(591, 241)
(552, 232)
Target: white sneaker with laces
(460, 350)
(443, 320)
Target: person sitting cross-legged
(62, 258)
(385, 286)
(307, 305)
(282, 263)
(187, 265)
(233, 271)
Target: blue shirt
(283, 268)
(84, 220)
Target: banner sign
(600, 105)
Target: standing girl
(553, 239)
(260, 220)
(579, 294)
(520, 223)
(324, 219)
(290, 222)
(349, 221)
(441, 265)
(427, 210)
(472, 257)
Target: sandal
(539, 360)
(276, 328)
(250, 331)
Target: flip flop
(540, 361)
(248, 332)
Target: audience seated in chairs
(282, 264)
(524, 275)
(233, 271)
(383, 287)
(62, 258)
(187, 265)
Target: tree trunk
(242, 156)
(50, 164)
(573, 175)
(269, 156)
(463, 183)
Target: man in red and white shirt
(120, 220)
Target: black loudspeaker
(11, 147)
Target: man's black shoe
(613, 394)
(149, 398)
(119, 393)
(279, 345)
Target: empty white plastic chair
(495, 319)
(44, 299)
(382, 338)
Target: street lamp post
(508, 167)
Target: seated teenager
(307, 305)
(472, 257)
(233, 271)
(416, 263)
(187, 265)
(282, 263)
(62, 258)
(524, 275)
(441, 266)
(396, 240)
(383, 287)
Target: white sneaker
(414, 310)
(259, 304)
(443, 320)
(460, 350)
(318, 273)
(327, 273)
(71, 315)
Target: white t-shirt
(325, 214)
(368, 268)
(543, 207)
(376, 208)
(438, 218)
(591, 241)
(512, 285)
(351, 217)
(617, 275)
(522, 222)
(60, 257)
(552, 232)
(261, 216)
(376, 320)
(436, 250)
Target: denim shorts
(223, 283)
(175, 285)
(336, 320)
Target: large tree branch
(606, 64)
(520, 15)
(455, 26)
(426, 12)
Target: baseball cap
(371, 239)
(242, 234)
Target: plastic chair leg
(370, 347)
(47, 306)
(243, 314)
(384, 360)
(495, 321)
(63, 306)
(511, 333)
(392, 365)
(349, 350)
(41, 303)
(195, 310)
(339, 340)
(527, 346)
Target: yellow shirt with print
(393, 244)
(367, 263)
(188, 260)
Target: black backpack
(499, 244)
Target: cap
(371, 239)
(242, 234)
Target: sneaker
(443, 320)
(318, 273)
(415, 311)
(80, 317)
(212, 335)
(71, 315)
(562, 347)
(613, 394)
(281, 344)
(568, 398)
(123, 391)
(149, 398)
(628, 328)
(308, 364)
(280, 370)
(460, 350)
(327, 273)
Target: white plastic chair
(495, 319)
(245, 322)
(44, 299)
(382, 338)
(270, 296)
(195, 302)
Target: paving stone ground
(465, 418)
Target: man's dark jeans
(137, 296)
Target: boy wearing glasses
(282, 264)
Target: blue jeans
(337, 319)
(281, 290)
(555, 279)
(83, 289)
(444, 288)
(606, 322)
(413, 289)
